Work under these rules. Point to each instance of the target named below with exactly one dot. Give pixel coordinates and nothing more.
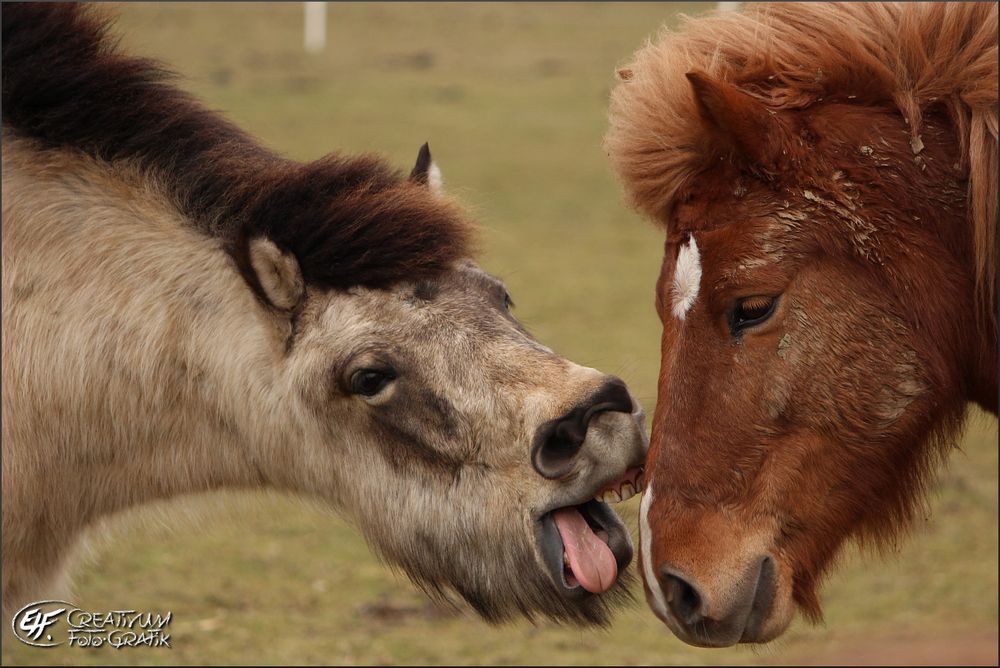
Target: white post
(728, 6)
(314, 38)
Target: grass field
(512, 99)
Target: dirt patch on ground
(969, 649)
(388, 610)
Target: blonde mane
(914, 56)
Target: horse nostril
(684, 600)
(613, 396)
(558, 441)
(555, 448)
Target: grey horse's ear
(426, 171)
(278, 274)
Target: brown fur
(842, 159)
(918, 58)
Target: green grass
(512, 99)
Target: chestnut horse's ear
(278, 274)
(426, 171)
(741, 123)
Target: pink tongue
(590, 558)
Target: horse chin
(777, 623)
(777, 616)
(538, 587)
(507, 575)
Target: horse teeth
(627, 491)
(610, 496)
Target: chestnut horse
(826, 176)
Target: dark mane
(349, 221)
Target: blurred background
(513, 100)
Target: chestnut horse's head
(821, 325)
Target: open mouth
(585, 546)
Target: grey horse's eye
(369, 382)
(508, 303)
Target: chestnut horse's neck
(972, 320)
(977, 326)
(983, 384)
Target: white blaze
(687, 278)
(659, 603)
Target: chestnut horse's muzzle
(707, 623)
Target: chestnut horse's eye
(751, 311)
(369, 382)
